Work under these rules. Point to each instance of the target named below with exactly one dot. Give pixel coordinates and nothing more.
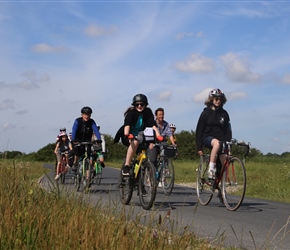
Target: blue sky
(58, 56)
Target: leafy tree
(186, 145)
(11, 154)
(46, 153)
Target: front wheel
(147, 185)
(167, 176)
(98, 172)
(204, 189)
(126, 188)
(233, 185)
(88, 176)
(62, 170)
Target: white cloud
(164, 95)
(238, 69)
(46, 48)
(202, 95)
(7, 126)
(237, 95)
(286, 79)
(94, 30)
(196, 64)
(182, 35)
(7, 104)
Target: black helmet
(140, 98)
(216, 93)
(86, 110)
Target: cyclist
(164, 130)
(213, 126)
(96, 146)
(173, 128)
(137, 118)
(82, 131)
(62, 129)
(62, 146)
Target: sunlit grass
(32, 218)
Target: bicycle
(142, 177)
(63, 168)
(98, 169)
(165, 173)
(84, 169)
(230, 180)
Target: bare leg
(215, 148)
(131, 151)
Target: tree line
(185, 144)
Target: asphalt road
(257, 224)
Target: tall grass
(32, 218)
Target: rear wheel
(147, 185)
(204, 189)
(98, 171)
(126, 188)
(167, 176)
(233, 185)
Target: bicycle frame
(139, 158)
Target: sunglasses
(217, 99)
(139, 104)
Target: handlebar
(239, 143)
(131, 136)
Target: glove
(159, 138)
(130, 136)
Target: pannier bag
(149, 135)
(168, 151)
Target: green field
(32, 218)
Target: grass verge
(32, 218)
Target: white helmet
(172, 126)
(62, 129)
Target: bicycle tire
(99, 170)
(204, 189)
(167, 176)
(87, 176)
(62, 178)
(78, 176)
(126, 188)
(147, 185)
(233, 184)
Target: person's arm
(171, 138)
(74, 130)
(56, 148)
(229, 129)
(199, 133)
(126, 130)
(70, 146)
(103, 144)
(96, 130)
